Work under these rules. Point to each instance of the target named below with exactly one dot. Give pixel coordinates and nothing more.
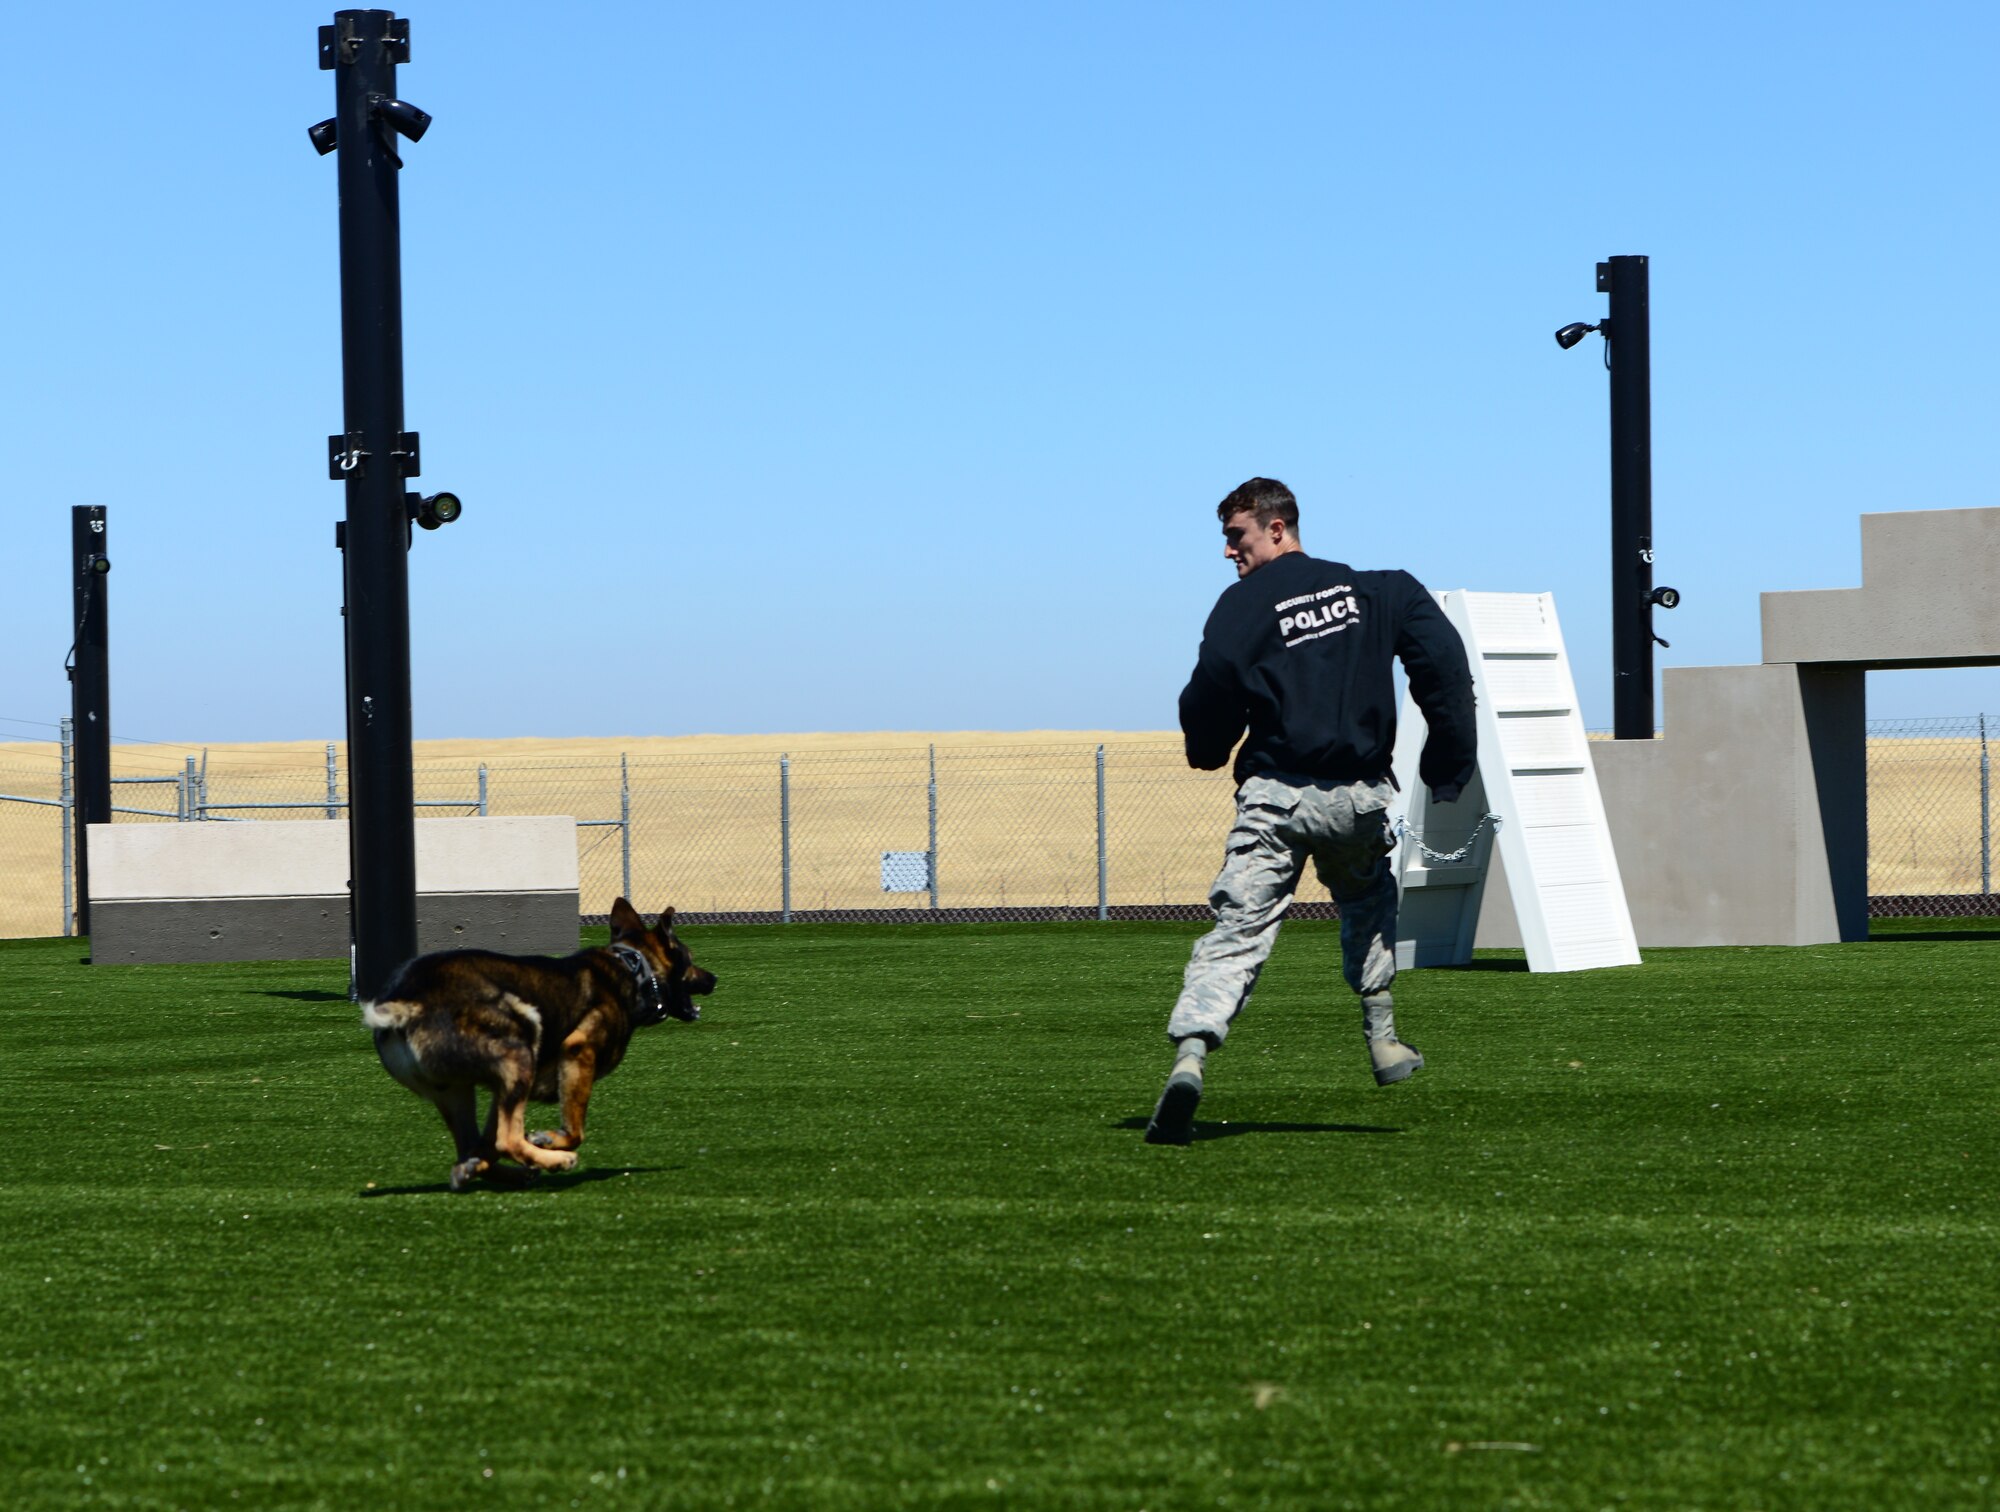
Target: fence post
(785, 835)
(68, 836)
(187, 789)
(482, 790)
(625, 823)
(931, 854)
(201, 786)
(1103, 875)
(1985, 812)
(332, 783)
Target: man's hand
(1446, 793)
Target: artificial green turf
(880, 1231)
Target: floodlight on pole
(1627, 333)
(432, 510)
(374, 457)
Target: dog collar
(652, 1001)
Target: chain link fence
(1116, 830)
(1930, 817)
(35, 876)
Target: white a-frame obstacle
(1535, 796)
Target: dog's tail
(395, 1013)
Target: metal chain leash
(1441, 858)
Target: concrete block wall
(1747, 823)
(278, 891)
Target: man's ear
(625, 919)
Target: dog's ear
(666, 924)
(625, 919)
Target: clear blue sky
(879, 367)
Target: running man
(1300, 651)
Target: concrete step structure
(1746, 823)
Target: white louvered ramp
(1534, 772)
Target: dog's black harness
(652, 997)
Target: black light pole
(89, 688)
(1628, 353)
(1630, 348)
(373, 457)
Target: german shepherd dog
(528, 1027)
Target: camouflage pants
(1344, 828)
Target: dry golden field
(1016, 813)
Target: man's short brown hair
(1266, 498)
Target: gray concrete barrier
(278, 891)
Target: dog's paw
(549, 1139)
(466, 1172)
(561, 1160)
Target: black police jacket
(1300, 653)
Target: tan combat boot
(1393, 1060)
